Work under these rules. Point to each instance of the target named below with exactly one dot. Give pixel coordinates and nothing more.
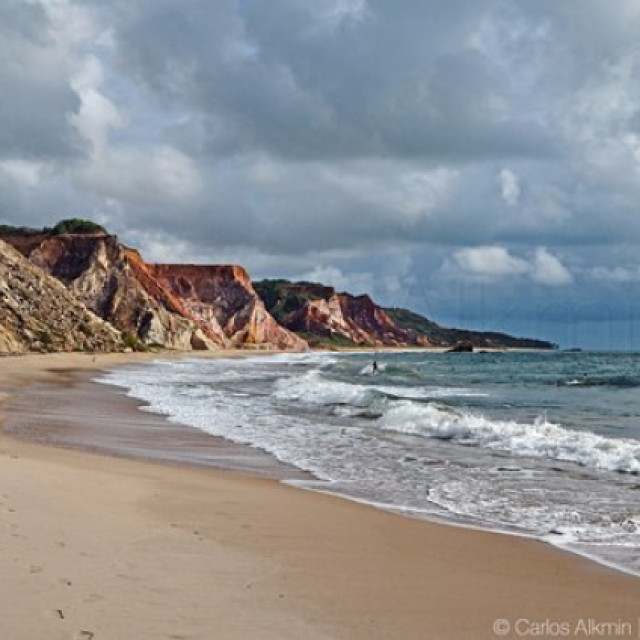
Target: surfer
(374, 367)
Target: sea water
(545, 444)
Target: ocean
(541, 444)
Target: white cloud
(340, 11)
(388, 282)
(133, 173)
(354, 282)
(159, 176)
(547, 269)
(616, 274)
(332, 276)
(97, 114)
(490, 262)
(404, 193)
(24, 172)
(495, 262)
(510, 187)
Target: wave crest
(541, 439)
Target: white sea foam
(434, 420)
(539, 439)
(309, 358)
(314, 389)
(542, 507)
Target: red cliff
(224, 295)
(174, 306)
(355, 318)
(111, 282)
(323, 315)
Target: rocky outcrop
(113, 282)
(327, 318)
(355, 318)
(202, 335)
(321, 314)
(38, 313)
(174, 306)
(461, 347)
(224, 296)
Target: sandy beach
(105, 547)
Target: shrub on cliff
(69, 225)
(77, 225)
(282, 297)
(11, 230)
(134, 343)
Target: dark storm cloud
(36, 98)
(310, 81)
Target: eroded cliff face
(38, 313)
(111, 282)
(175, 306)
(184, 306)
(355, 318)
(320, 312)
(328, 319)
(224, 295)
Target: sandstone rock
(327, 318)
(223, 296)
(309, 308)
(175, 306)
(114, 283)
(38, 313)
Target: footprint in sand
(56, 613)
(34, 568)
(83, 635)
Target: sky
(477, 161)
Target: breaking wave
(419, 411)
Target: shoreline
(121, 427)
(519, 576)
(225, 456)
(307, 481)
(443, 521)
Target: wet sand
(70, 410)
(100, 546)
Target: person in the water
(374, 367)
